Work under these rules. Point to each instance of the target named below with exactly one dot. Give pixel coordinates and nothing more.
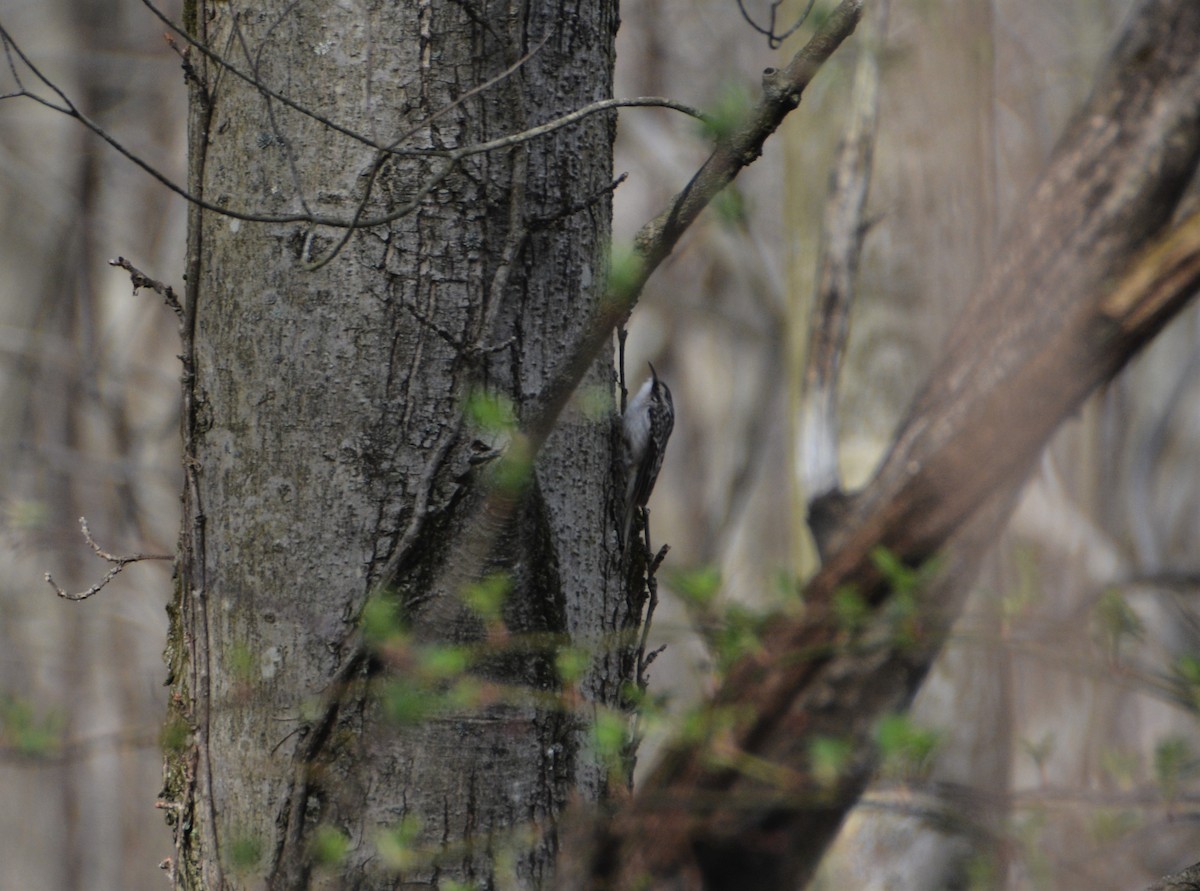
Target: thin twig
(190, 74)
(643, 660)
(254, 81)
(577, 206)
(119, 563)
(622, 336)
(453, 156)
(403, 210)
(285, 144)
(774, 38)
(141, 280)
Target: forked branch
(118, 565)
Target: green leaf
(398, 846)
(406, 701)
(1173, 763)
(1041, 750)
(850, 610)
(1187, 667)
(381, 620)
(730, 207)
(786, 587)
(899, 576)
(488, 596)
(701, 586)
(511, 473)
(1116, 621)
(695, 726)
(982, 872)
(738, 636)
(828, 758)
(902, 578)
(26, 515)
(467, 693)
(493, 412)
(1187, 679)
(904, 747)
(444, 662)
(23, 730)
(572, 663)
(610, 735)
(245, 852)
(329, 846)
(729, 114)
(1122, 767)
(624, 274)
(595, 402)
(1107, 826)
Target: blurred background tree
(90, 403)
(1064, 709)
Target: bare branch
(558, 123)
(403, 210)
(141, 280)
(254, 80)
(119, 564)
(774, 37)
(651, 582)
(359, 219)
(281, 140)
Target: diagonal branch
(782, 89)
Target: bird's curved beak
(653, 373)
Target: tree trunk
(329, 456)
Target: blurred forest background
(1062, 747)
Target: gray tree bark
(327, 450)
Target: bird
(646, 426)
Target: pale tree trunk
(329, 454)
(957, 75)
(908, 287)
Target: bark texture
(328, 449)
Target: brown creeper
(647, 424)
